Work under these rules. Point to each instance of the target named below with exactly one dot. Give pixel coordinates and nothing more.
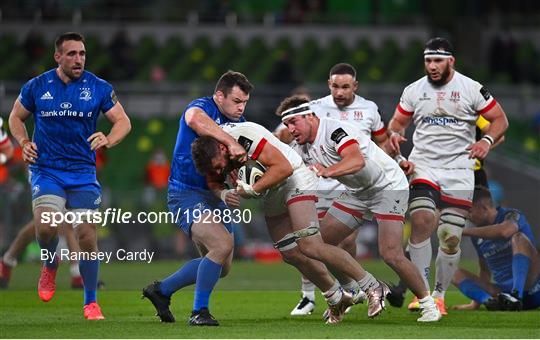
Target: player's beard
(70, 74)
(444, 77)
(231, 165)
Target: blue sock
(472, 290)
(185, 276)
(520, 268)
(51, 249)
(207, 277)
(89, 272)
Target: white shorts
(300, 186)
(351, 208)
(455, 186)
(328, 190)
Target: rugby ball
(251, 172)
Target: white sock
(351, 286)
(308, 289)
(421, 257)
(74, 270)
(10, 261)
(368, 282)
(446, 268)
(334, 294)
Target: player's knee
(392, 256)
(292, 256)
(450, 229)
(519, 239)
(459, 276)
(310, 248)
(225, 269)
(349, 245)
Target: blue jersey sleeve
(26, 97)
(108, 96)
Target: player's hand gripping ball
(251, 172)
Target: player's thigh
(333, 231)
(457, 188)
(192, 206)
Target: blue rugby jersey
(498, 253)
(65, 116)
(184, 175)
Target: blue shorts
(189, 204)
(80, 190)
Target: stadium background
(160, 55)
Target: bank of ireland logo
(85, 95)
(66, 105)
(35, 190)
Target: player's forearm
(18, 129)
(203, 125)
(492, 232)
(347, 166)
(398, 123)
(274, 174)
(119, 131)
(498, 124)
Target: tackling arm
(203, 125)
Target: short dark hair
(481, 193)
(439, 43)
(66, 37)
(203, 150)
(231, 79)
(343, 68)
(290, 102)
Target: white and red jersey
(380, 171)
(3, 134)
(253, 137)
(362, 113)
(445, 119)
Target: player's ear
(57, 57)
(355, 85)
(329, 84)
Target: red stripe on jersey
(405, 112)
(347, 210)
(389, 217)
(321, 214)
(488, 107)
(302, 198)
(259, 149)
(456, 201)
(379, 132)
(4, 141)
(425, 181)
(346, 144)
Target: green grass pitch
(253, 302)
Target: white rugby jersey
(253, 137)
(445, 119)
(362, 113)
(3, 134)
(380, 172)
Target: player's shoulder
(417, 85)
(364, 103)
(323, 102)
(92, 78)
(205, 103)
(42, 79)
